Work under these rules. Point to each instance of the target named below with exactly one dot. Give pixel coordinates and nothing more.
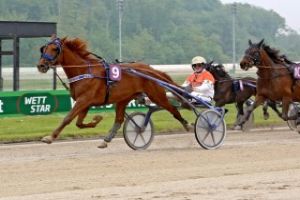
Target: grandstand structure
(14, 30)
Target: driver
(201, 82)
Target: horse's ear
(208, 65)
(53, 36)
(250, 42)
(63, 39)
(260, 43)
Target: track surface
(258, 165)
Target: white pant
(204, 98)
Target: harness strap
(241, 85)
(90, 75)
(108, 81)
(80, 77)
(249, 84)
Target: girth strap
(108, 81)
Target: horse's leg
(265, 110)
(162, 100)
(82, 115)
(286, 101)
(258, 101)
(80, 105)
(240, 113)
(273, 105)
(119, 118)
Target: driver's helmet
(198, 61)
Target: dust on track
(262, 164)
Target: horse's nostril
(42, 68)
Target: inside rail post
(1, 78)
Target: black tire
(135, 139)
(207, 136)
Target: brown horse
(235, 90)
(274, 81)
(90, 84)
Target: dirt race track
(259, 165)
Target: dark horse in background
(275, 80)
(235, 90)
(90, 84)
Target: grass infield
(32, 128)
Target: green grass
(31, 128)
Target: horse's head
(252, 56)
(50, 53)
(218, 71)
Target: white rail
(29, 73)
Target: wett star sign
(44, 103)
(1, 106)
(32, 104)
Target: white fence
(31, 73)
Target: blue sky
(288, 9)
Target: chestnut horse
(90, 84)
(275, 81)
(235, 90)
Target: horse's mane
(80, 47)
(212, 69)
(226, 73)
(275, 55)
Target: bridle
(254, 56)
(255, 60)
(52, 59)
(49, 58)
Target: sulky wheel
(137, 137)
(210, 129)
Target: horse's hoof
(97, 118)
(47, 139)
(189, 127)
(102, 145)
(266, 116)
(237, 127)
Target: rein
(244, 82)
(62, 82)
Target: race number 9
(115, 73)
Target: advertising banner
(43, 103)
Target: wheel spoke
(213, 137)
(136, 136)
(142, 136)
